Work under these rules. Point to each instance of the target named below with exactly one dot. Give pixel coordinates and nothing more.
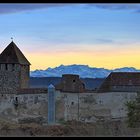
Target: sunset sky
(98, 35)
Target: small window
(72, 103)
(74, 81)
(16, 99)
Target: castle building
(14, 70)
(121, 82)
(71, 83)
(34, 105)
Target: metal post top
(51, 86)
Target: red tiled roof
(125, 78)
(121, 79)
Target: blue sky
(60, 29)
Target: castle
(70, 105)
(14, 70)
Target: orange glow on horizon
(109, 59)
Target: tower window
(72, 103)
(74, 81)
(6, 66)
(16, 99)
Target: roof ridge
(16, 50)
(13, 46)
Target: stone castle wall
(9, 78)
(91, 107)
(13, 77)
(87, 107)
(24, 76)
(17, 107)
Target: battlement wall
(86, 107)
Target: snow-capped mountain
(126, 69)
(83, 70)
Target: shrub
(133, 112)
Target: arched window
(6, 66)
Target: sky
(98, 35)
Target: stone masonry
(14, 70)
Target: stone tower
(14, 70)
(71, 83)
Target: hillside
(43, 82)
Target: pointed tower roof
(12, 54)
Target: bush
(134, 112)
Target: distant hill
(83, 70)
(43, 82)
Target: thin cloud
(14, 8)
(135, 7)
(104, 41)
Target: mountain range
(83, 70)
